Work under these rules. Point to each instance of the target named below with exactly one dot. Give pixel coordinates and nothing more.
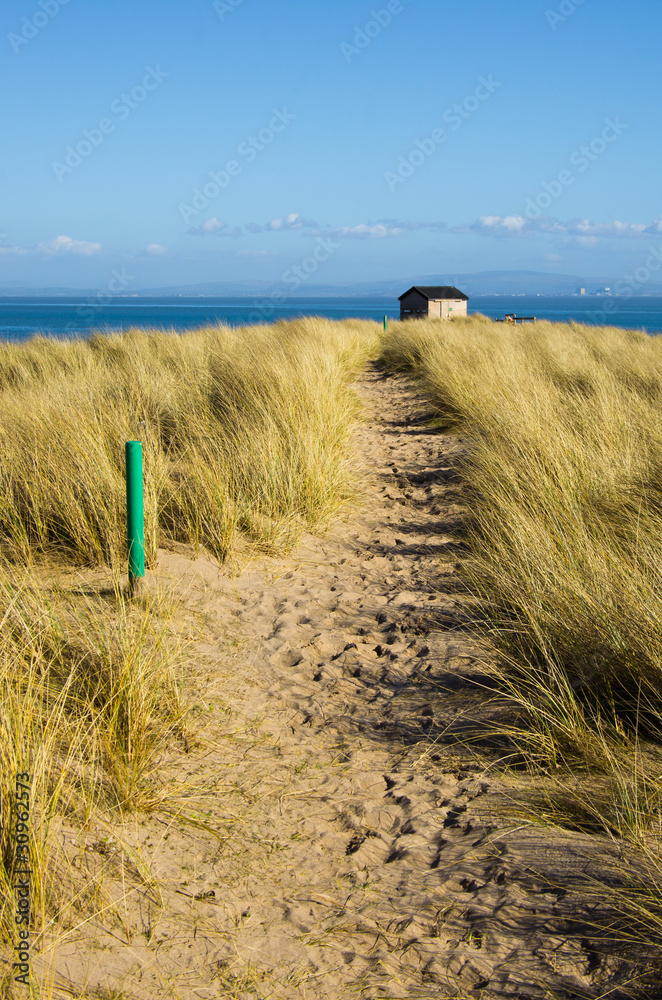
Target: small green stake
(385, 324)
(135, 514)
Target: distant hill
(482, 283)
(474, 284)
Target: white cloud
(65, 244)
(291, 221)
(500, 224)
(485, 225)
(156, 249)
(504, 225)
(288, 222)
(383, 229)
(581, 231)
(12, 251)
(367, 232)
(207, 228)
(585, 227)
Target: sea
(24, 317)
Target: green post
(135, 514)
(385, 324)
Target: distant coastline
(482, 283)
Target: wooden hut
(433, 302)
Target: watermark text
(628, 286)
(294, 277)
(582, 159)
(248, 150)
(88, 310)
(31, 26)
(455, 118)
(223, 7)
(565, 10)
(21, 873)
(121, 108)
(363, 37)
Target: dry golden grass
(565, 481)
(245, 437)
(89, 700)
(563, 489)
(243, 432)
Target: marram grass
(564, 475)
(244, 434)
(562, 485)
(90, 701)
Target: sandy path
(353, 847)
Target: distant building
(582, 291)
(433, 302)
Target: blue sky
(211, 141)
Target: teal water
(23, 317)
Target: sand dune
(343, 838)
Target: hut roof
(437, 292)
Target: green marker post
(385, 324)
(135, 515)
